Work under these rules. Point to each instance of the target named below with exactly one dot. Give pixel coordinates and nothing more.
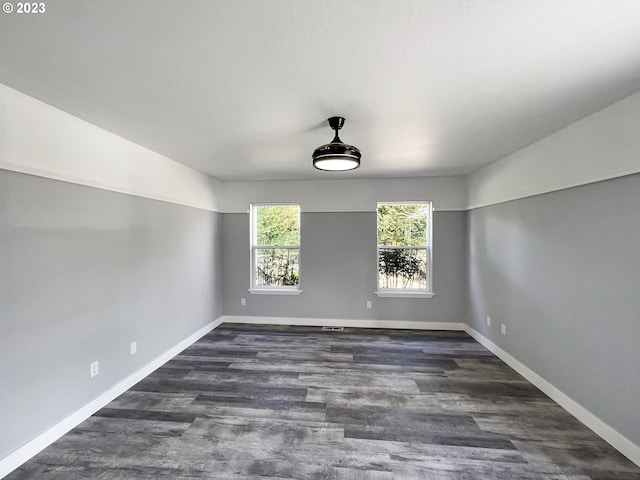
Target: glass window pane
(402, 268)
(276, 267)
(402, 224)
(278, 225)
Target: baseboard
(337, 322)
(39, 443)
(608, 434)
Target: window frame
(408, 292)
(253, 237)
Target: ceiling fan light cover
(336, 164)
(336, 156)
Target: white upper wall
(599, 147)
(358, 195)
(38, 139)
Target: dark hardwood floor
(250, 402)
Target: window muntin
(275, 246)
(404, 247)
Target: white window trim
(398, 293)
(269, 289)
(408, 292)
(275, 291)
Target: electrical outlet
(488, 321)
(368, 303)
(503, 329)
(134, 348)
(243, 301)
(94, 369)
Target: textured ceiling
(241, 89)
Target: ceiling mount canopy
(336, 156)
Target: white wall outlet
(503, 329)
(243, 301)
(368, 303)
(94, 369)
(134, 348)
(488, 320)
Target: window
(404, 249)
(275, 249)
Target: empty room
(340, 240)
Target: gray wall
(562, 271)
(338, 271)
(84, 272)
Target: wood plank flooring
(275, 403)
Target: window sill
(403, 294)
(275, 291)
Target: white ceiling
(241, 89)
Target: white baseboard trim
(337, 322)
(608, 434)
(39, 443)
